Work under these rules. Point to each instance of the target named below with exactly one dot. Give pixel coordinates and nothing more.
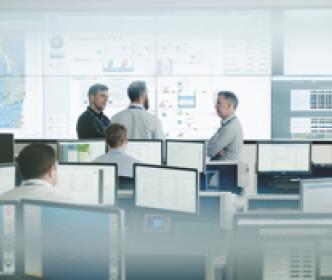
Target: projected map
(12, 69)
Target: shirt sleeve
(159, 133)
(220, 140)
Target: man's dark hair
(35, 160)
(135, 90)
(116, 135)
(229, 95)
(94, 89)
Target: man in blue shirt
(116, 140)
(226, 143)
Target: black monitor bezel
(60, 141)
(12, 140)
(116, 179)
(189, 142)
(136, 165)
(150, 141)
(284, 172)
(79, 207)
(302, 181)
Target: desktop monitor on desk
(281, 166)
(188, 154)
(146, 151)
(166, 188)
(7, 177)
(315, 195)
(68, 241)
(80, 150)
(20, 144)
(221, 176)
(284, 157)
(6, 148)
(89, 182)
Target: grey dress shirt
(124, 161)
(140, 124)
(229, 138)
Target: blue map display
(12, 83)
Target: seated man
(37, 167)
(116, 139)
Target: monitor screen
(321, 154)
(80, 151)
(301, 108)
(166, 188)
(88, 183)
(316, 195)
(72, 242)
(186, 154)
(7, 178)
(149, 152)
(284, 157)
(7, 239)
(19, 145)
(6, 148)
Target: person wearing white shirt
(37, 167)
(140, 124)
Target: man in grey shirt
(140, 124)
(116, 140)
(226, 143)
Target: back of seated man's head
(116, 135)
(37, 161)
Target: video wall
(48, 61)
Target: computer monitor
(8, 240)
(20, 144)
(67, 241)
(321, 154)
(7, 177)
(287, 157)
(6, 148)
(166, 188)
(146, 151)
(315, 195)
(89, 182)
(80, 151)
(189, 154)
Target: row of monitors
(44, 240)
(292, 157)
(157, 187)
(189, 154)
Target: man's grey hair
(229, 95)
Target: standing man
(226, 143)
(93, 123)
(140, 124)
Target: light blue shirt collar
(117, 151)
(36, 182)
(136, 106)
(228, 119)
